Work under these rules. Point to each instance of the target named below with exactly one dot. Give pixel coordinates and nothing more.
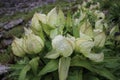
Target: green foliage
(4, 58)
(17, 31)
(24, 72)
(76, 61)
(74, 48)
(49, 67)
(64, 65)
(113, 13)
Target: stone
(12, 24)
(3, 69)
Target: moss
(17, 31)
(4, 58)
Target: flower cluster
(30, 44)
(60, 30)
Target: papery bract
(84, 46)
(100, 15)
(55, 18)
(36, 26)
(96, 57)
(62, 45)
(52, 18)
(17, 47)
(99, 25)
(32, 43)
(86, 28)
(42, 18)
(99, 38)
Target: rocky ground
(10, 7)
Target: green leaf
(47, 28)
(34, 64)
(104, 72)
(36, 78)
(75, 74)
(53, 33)
(32, 77)
(111, 62)
(69, 20)
(61, 18)
(50, 67)
(75, 31)
(90, 77)
(36, 26)
(64, 64)
(52, 18)
(48, 77)
(24, 72)
(55, 75)
(76, 61)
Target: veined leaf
(52, 17)
(75, 74)
(75, 31)
(24, 72)
(89, 76)
(76, 61)
(53, 33)
(64, 64)
(68, 20)
(34, 64)
(46, 28)
(50, 67)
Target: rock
(7, 42)
(2, 24)
(10, 7)
(3, 69)
(12, 24)
(2, 51)
(0, 48)
(50, 1)
(1, 35)
(4, 43)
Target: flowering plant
(61, 43)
